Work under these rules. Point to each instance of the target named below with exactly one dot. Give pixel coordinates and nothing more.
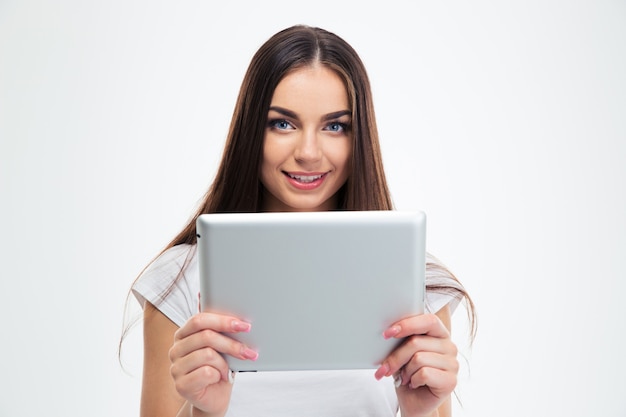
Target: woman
(303, 138)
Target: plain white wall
(504, 121)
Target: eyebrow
(293, 115)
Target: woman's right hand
(198, 367)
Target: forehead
(312, 88)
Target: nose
(308, 149)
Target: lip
(305, 180)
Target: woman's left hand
(424, 366)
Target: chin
(317, 206)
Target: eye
(280, 124)
(337, 127)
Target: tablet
(318, 288)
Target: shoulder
(170, 283)
(442, 287)
(172, 259)
(437, 273)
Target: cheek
(269, 162)
(266, 160)
(341, 154)
(272, 152)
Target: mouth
(305, 179)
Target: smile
(305, 182)
(305, 178)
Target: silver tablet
(319, 288)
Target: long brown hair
(237, 186)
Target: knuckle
(417, 359)
(450, 384)
(174, 371)
(205, 373)
(183, 386)
(423, 374)
(206, 337)
(180, 387)
(453, 381)
(195, 321)
(173, 353)
(433, 320)
(208, 355)
(414, 342)
(455, 366)
(418, 378)
(209, 375)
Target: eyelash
(344, 126)
(273, 124)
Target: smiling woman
(303, 138)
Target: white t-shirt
(307, 393)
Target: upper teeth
(305, 178)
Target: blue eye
(337, 127)
(280, 124)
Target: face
(308, 142)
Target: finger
(213, 340)
(207, 348)
(403, 353)
(422, 360)
(440, 382)
(197, 381)
(216, 322)
(198, 359)
(424, 324)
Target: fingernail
(382, 371)
(248, 353)
(241, 326)
(391, 332)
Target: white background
(504, 121)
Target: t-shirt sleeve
(170, 283)
(442, 288)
